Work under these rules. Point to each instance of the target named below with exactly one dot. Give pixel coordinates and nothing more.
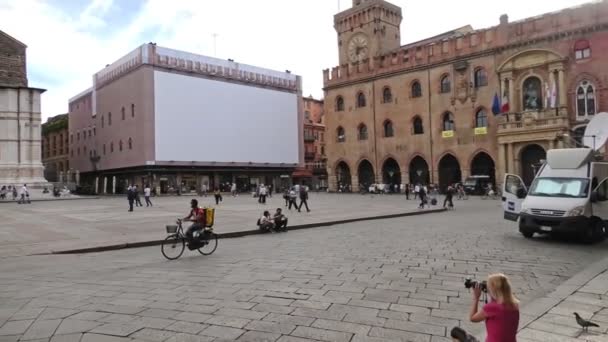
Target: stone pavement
(386, 280)
(43, 227)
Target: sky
(70, 40)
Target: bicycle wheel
(209, 244)
(173, 247)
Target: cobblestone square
(395, 279)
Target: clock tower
(370, 28)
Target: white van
(568, 195)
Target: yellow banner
(481, 130)
(447, 134)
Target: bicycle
(205, 241)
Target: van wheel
(589, 234)
(527, 233)
(599, 230)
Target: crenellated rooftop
(420, 55)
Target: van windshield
(560, 187)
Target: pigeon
(584, 323)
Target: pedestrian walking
(449, 195)
(416, 190)
(204, 190)
(137, 197)
(14, 192)
(270, 190)
(423, 197)
(147, 193)
(233, 189)
(25, 195)
(303, 198)
(293, 195)
(218, 196)
(263, 193)
(286, 196)
(407, 192)
(130, 197)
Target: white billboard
(203, 120)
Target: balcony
(549, 119)
(309, 138)
(309, 156)
(317, 167)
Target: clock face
(358, 48)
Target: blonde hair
(500, 287)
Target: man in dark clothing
(130, 197)
(423, 199)
(137, 198)
(280, 220)
(303, 198)
(407, 191)
(449, 194)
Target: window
(110, 119)
(388, 129)
(84, 150)
(102, 121)
(130, 144)
(481, 78)
(416, 89)
(90, 132)
(104, 149)
(585, 99)
(72, 138)
(78, 151)
(446, 86)
(448, 122)
(481, 118)
(323, 150)
(77, 136)
(360, 100)
(341, 136)
(120, 146)
(111, 147)
(94, 131)
(362, 132)
(132, 110)
(339, 104)
(307, 115)
(122, 112)
(418, 127)
(387, 95)
(582, 49)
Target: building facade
(424, 112)
(55, 148)
(314, 143)
(180, 122)
(19, 118)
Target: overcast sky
(69, 40)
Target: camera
(470, 283)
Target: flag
(496, 104)
(505, 103)
(553, 95)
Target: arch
(449, 171)
(481, 118)
(548, 55)
(419, 170)
(365, 173)
(361, 100)
(362, 133)
(391, 172)
(340, 134)
(416, 89)
(532, 93)
(389, 130)
(417, 125)
(339, 104)
(530, 157)
(387, 95)
(447, 121)
(445, 84)
(483, 165)
(343, 176)
(480, 78)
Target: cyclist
(197, 217)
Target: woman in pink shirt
(501, 314)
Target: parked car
(476, 185)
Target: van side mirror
(521, 193)
(594, 197)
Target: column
(96, 185)
(77, 177)
(551, 144)
(105, 185)
(561, 100)
(510, 159)
(502, 167)
(332, 183)
(355, 183)
(113, 185)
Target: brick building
(178, 121)
(55, 148)
(19, 118)
(423, 112)
(314, 144)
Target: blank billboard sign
(203, 120)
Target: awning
(302, 173)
